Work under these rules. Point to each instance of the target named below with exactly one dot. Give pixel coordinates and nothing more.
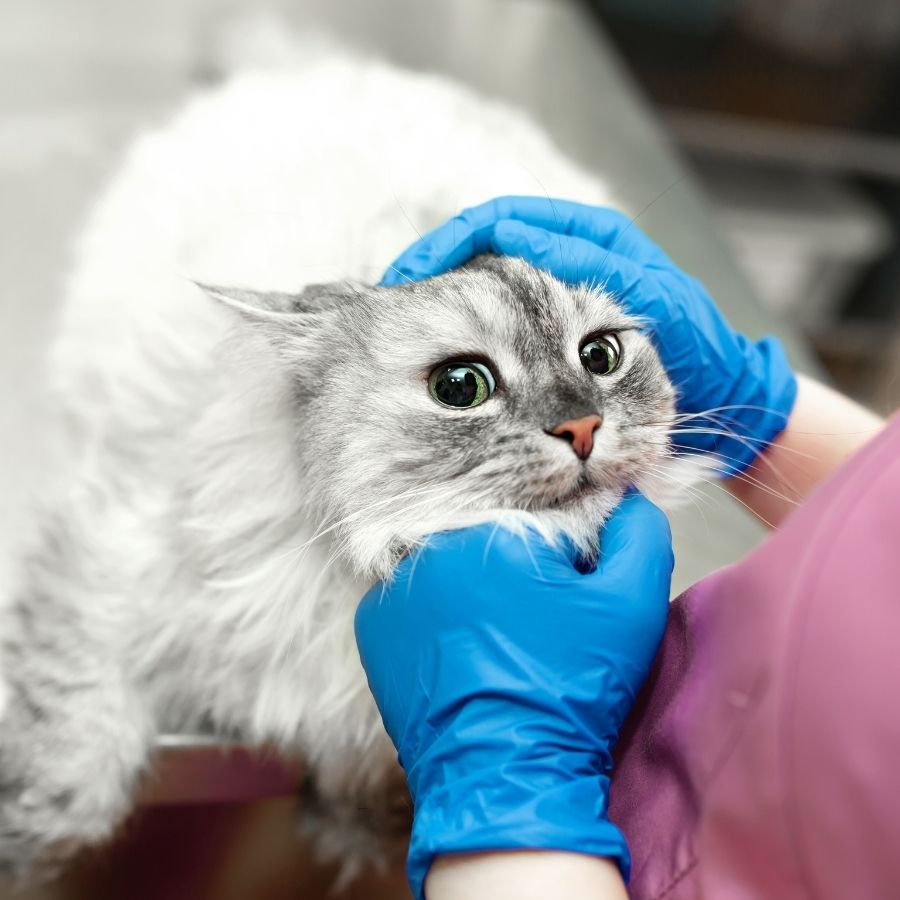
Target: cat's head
(491, 392)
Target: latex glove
(503, 676)
(725, 382)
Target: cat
(255, 432)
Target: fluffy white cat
(240, 472)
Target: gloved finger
(574, 260)
(636, 537)
(449, 245)
(609, 228)
(466, 235)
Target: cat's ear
(295, 326)
(276, 306)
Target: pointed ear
(276, 306)
(295, 326)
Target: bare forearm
(524, 875)
(825, 429)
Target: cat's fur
(242, 466)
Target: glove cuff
(514, 810)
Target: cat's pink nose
(579, 433)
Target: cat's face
(434, 405)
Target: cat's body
(175, 584)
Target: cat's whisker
(724, 432)
(664, 474)
(727, 423)
(359, 513)
(408, 219)
(712, 415)
(691, 490)
(641, 212)
(341, 547)
(298, 551)
(760, 457)
(722, 422)
(420, 544)
(757, 445)
(719, 487)
(448, 493)
(731, 406)
(687, 489)
(738, 476)
(525, 543)
(695, 498)
(402, 274)
(457, 505)
(734, 472)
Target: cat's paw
(47, 819)
(29, 854)
(357, 832)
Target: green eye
(602, 355)
(461, 385)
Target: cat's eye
(601, 355)
(461, 385)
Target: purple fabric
(763, 757)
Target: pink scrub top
(763, 757)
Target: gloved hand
(737, 392)
(503, 676)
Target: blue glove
(737, 394)
(503, 676)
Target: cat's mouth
(582, 487)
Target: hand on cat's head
(717, 369)
(491, 392)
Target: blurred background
(757, 140)
(789, 113)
